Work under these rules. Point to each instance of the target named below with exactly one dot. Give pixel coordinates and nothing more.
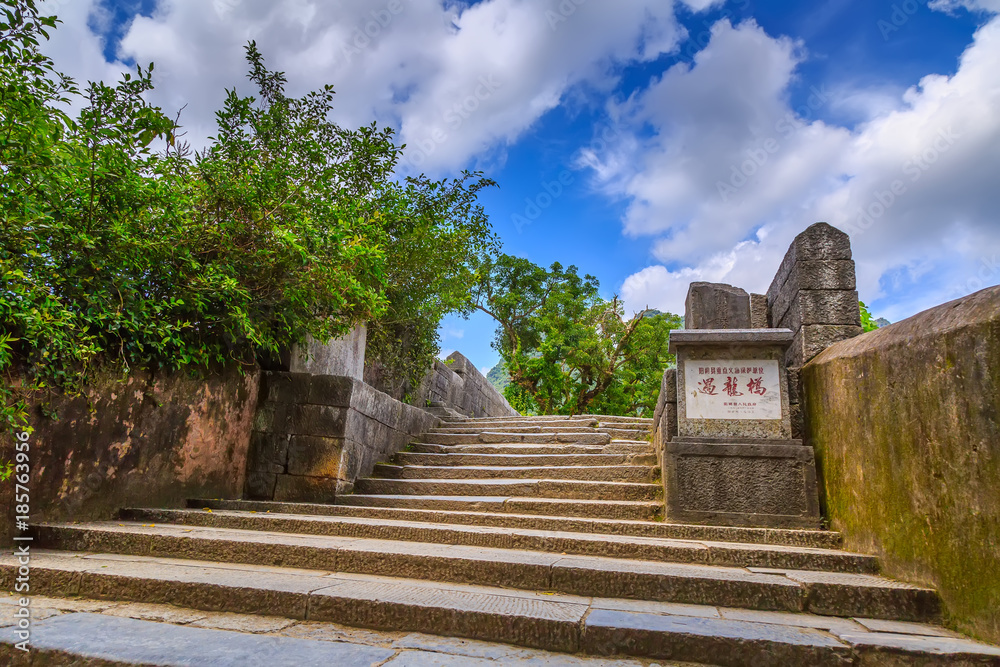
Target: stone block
(321, 420)
(314, 456)
(820, 307)
(260, 485)
(798, 421)
(747, 347)
(268, 452)
(794, 385)
(278, 387)
(716, 306)
(766, 485)
(668, 388)
(344, 356)
(818, 242)
(273, 418)
(812, 339)
(301, 489)
(332, 390)
(758, 312)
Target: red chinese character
(755, 386)
(707, 386)
(731, 387)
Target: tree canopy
(119, 245)
(567, 349)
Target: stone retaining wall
(154, 439)
(906, 425)
(314, 435)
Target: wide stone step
(514, 426)
(570, 624)
(613, 546)
(825, 593)
(619, 473)
(492, 513)
(568, 507)
(411, 458)
(502, 437)
(532, 488)
(462, 430)
(131, 633)
(610, 448)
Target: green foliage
(499, 377)
(568, 350)
(868, 323)
(286, 226)
(436, 234)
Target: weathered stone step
(133, 634)
(569, 507)
(532, 488)
(825, 593)
(412, 458)
(647, 421)
(613, 546)
(501, 437)
(600, 626)
(467, 430)
(618, 473)
(611, 448)
(492, 513)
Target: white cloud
(457, 81)
(939, 142)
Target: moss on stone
(906, 425)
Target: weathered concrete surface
(906, 425)
(716, 306)
(154, 438)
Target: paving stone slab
(876, 648)
(125, 641)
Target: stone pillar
(814, 293)
(716, 306)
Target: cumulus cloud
(456, 80)
(733, 173)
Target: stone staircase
(537, 532)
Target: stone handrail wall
(459, 386)
(905, 421)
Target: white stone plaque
(728, 389)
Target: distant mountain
(499, 377)
(882, 322)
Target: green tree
(436, 234)
(568, 350)
(287, 225)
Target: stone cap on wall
(720, 337)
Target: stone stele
(734, 461)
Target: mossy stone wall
(906, 425)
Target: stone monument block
(716, 306)
(734, 461)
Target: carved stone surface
(750, 484)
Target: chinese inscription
(724, 389)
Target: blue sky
(649, 142)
